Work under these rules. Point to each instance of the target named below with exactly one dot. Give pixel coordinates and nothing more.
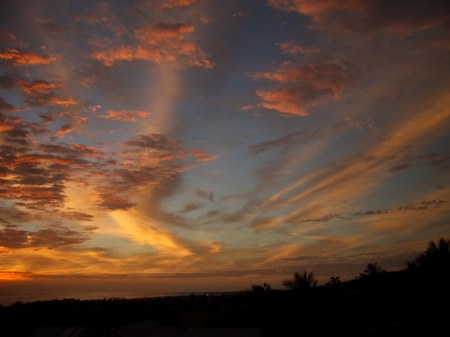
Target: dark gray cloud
(282, 142)
(321, 219)
(14, 238)
(433, 159)
(114, 202)
(7, 82)
(190, 207)
(205, 194)
(422, 205)
(372, 212)
(5, 106)
(53, 29)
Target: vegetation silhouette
(373, 270)
(301, 282)
(335, 281)
(258, 288)
(435, 259)
(412, 301)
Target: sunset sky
(153, 146)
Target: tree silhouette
(301, 281)
(436, 258)
(334, 281)
(261, 288)
(373, 269)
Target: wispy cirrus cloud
(323, 193)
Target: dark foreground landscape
(378, 303)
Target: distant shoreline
(119, 297)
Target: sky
(151, 146)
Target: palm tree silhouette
(303, 281)
(334, 281)
(373, 269)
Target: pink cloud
(125, 115)
(286, 101)
(201, 155)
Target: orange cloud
(163, 31)
(21, 58)
(63, 130)
(177, 3)
(54, 100)
(41, 92)
(14, 276)
(6, 127)
(125, 115)
(38, 87)
(301, 87)
(158, 43)
(123, 53)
